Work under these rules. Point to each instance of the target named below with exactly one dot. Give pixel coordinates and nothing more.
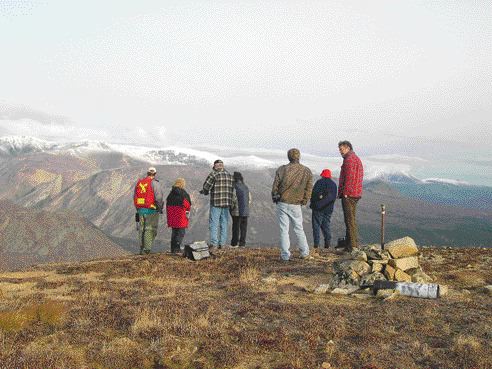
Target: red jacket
(177, 204)
(351, 175)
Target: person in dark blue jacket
(322, 202)
(241, 201)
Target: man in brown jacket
(291, 189)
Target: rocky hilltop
(242, 308)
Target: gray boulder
(369, 279)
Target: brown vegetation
(241, 309)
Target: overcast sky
(388, 75)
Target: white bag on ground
(196, 251)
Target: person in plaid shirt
(219, 184)
(350, 191)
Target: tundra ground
(240, 309)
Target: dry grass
(83, 277)
(249, 275)
(16, 290)
(243, 309)
(148, 323)
(469, 351)
(53, 352)
(25, 275)
(123, 353)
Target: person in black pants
(178, 205)
(240, 210)
(322, 201)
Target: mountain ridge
(33, 236)
(98, 186)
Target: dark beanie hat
(218, 161)
(237, 176)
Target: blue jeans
(321, 220)
(287, 213)
(218, 222)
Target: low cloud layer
(61, 131)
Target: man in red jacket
(350, 191)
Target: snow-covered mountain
(16, 145)
(96, 179)
(454, 182)
(394, 177)
(20, 145)
(389, 168)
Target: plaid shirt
(221, 188)
(351, 174)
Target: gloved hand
(276, 198)
(204, 192)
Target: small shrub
(51, 313)
(15, 320)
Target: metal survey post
(383, 213)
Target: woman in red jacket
(178, 205)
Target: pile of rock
(399, 261)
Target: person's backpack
(196, 251)
(144, 194)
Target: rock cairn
(399, 261)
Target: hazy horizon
(407, 78)
(460, 170)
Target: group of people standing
(229, 195)
(292, 188)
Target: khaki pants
(349, 205)
(147, 232)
